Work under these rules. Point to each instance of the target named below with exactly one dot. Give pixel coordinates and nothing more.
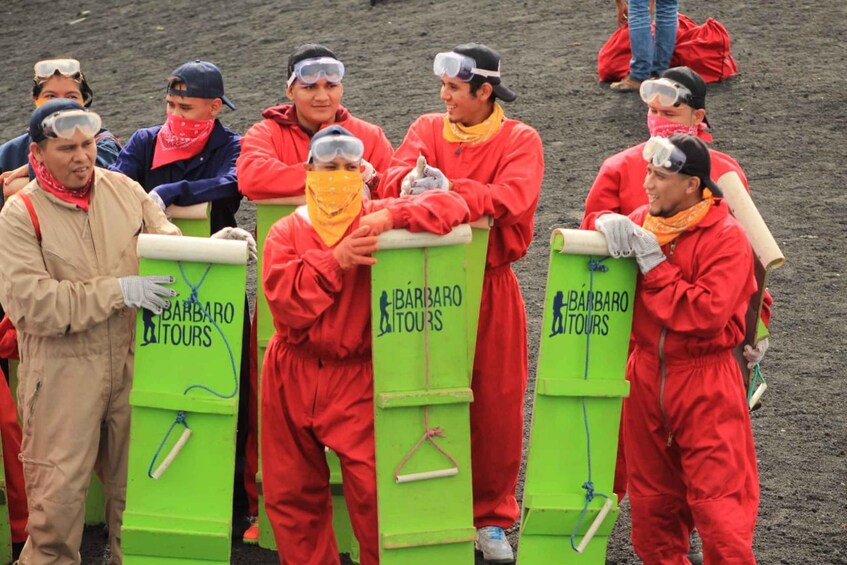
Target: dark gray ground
(782, 118)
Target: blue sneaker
(492, 542)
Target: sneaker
(251, 534)
(492, 542)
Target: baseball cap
(487, 58)
(690, 80)
(308, 51)
(36, 130)
(698, 162)
(202, 80)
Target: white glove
(157, 199)
(147, 292)
(412, 176)
(433, 179)
(238, 234)
(754, 355)
(368, 172)
(647, 251)
(618, 230)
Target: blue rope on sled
(594, 266)
(180, 417)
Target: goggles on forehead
(63, 124)
(49, 67)
(668, 92)
(456, 65)
(326, 149)
(662, 153)
(310, 71)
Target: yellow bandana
(668, 229)
(334, 199)
(457, 133)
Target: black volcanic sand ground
(782, 118)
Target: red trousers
(691, 460)
(309, 404)
(10, 432)
(251, 450)
(499, 385)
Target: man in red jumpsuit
(497, 165)
(10, 433)
(688, 439)
(272, 165)
(318, 375)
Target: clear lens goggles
(49, 67)
(310, 71)
(456, 65)
(326, 149)
(63, 124)
(662, 153)
(668, 92)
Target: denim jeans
(649, 59)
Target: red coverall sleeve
(261, 172)
(434, 211)
(704, 306)
(299, 287)
(8, 339)
(604, 194)
(381, 153)
(415, 143)
(517, 182)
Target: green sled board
(191, 220)
(580, 385)
(185, 516)
(420, 339)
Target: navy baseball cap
(36, 130)
(202, 80)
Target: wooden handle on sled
(760, 390)
(595, 525)
(412, 477)
(180, 443)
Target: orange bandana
(334, 199)
(457, 133)
(668, 229)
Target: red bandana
(80, 197)
(180, 139)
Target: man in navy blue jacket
(191, 158)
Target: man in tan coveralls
(69, 282)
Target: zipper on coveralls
(663, 368)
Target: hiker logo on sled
(411, 309)
(185, 323)
(582, 312)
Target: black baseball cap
(690, 80)
(308, 51)
(698, 161)
(36, 131)
(202, 80)
(487, 58)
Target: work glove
(368, 172)
(154, 196)
(754, 355)
(647, 251)
(412, 176)
(618, 230)
(432, 179)
(379, 221)
(238, 234)
(147, 292)
(356, 248)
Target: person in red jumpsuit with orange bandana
(318, 374)
(497, 165)
(687, 432)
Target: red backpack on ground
(704, 48)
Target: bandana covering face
(334, 200)
(180, 139)
(663, 127)
(668, 229)
(80, 197)
(457, 133)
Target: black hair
(478, 81)
(85, 90)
